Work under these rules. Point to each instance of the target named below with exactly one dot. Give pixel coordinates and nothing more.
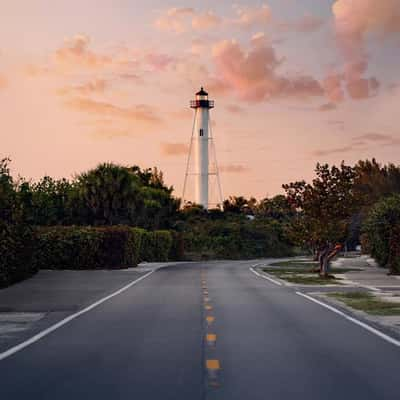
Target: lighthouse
(204, 163)
(202, 108)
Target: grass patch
(367, 302)
(306, 270)
(295, 264)
(301, 273)
(300, 277)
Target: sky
(294, 83)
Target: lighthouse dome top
(202, 92)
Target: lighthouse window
(201, 132)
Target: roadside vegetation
(115, 216)
(341, 204)
(368, 303)
(301, 277)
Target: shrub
(75, 247)
(16, 251)
(235, 239)
(382, 230)
(156, 246)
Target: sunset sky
(294, 82)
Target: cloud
(250, 17)
(158, 61)
(174, 149)
(335, 150)
(139, 113)
(233, 169)
(76, 53)
(204, 21)
(305, 24)
(333, 87)
(360, 142)
(327, 107)
(182, 19)
(88, 88)
(235, 109)
(253, 74)
(380, 138)
(174, 19)
(355, 20)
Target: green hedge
(16, 252)
(76, 247)
(73, 247)
(156, 246)
(241, 239)
(382, 232)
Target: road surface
(205, 331)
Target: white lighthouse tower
(205, 164)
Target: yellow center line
(212, 365)
(210, 319)
(211, 337)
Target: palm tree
(112, 194)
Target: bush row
(235, 240)
(381, 237)
(24, 251)
(75, 247)
(16, 251)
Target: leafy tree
(236, 205)
(382, 228)
(324, 209)
(277, 208)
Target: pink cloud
(253, 74)
(174, 149)
(249, 17)
(205, 21)
(174, 19)
(354, 20)
(333, 87)
(76, 53)
(234, 109)
(95, 86)
(140, 113)
(328, 107)
(158, 61)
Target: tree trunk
(330, 252)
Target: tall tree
(324, 209)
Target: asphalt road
(150, 342)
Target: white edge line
(354, 320)
(65, 321)
(264, 276)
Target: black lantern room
(202, 100)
